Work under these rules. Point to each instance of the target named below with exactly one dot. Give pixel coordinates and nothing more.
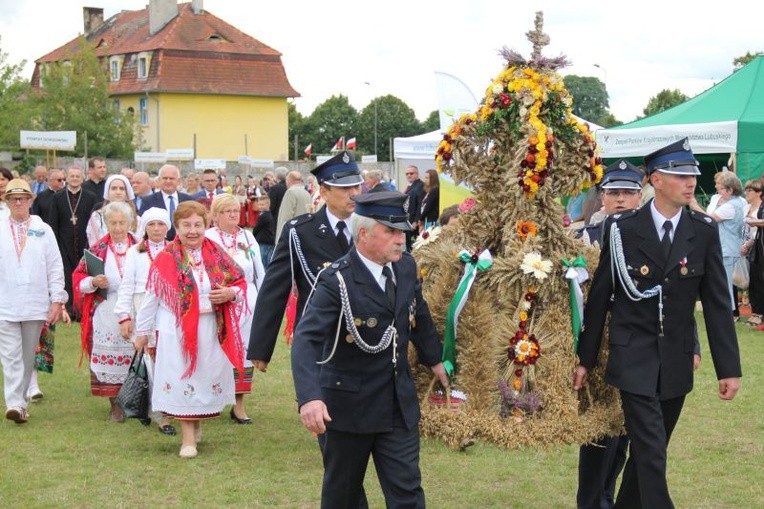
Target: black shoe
(246, 420)
(167, 429)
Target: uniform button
(338, 383)
(666, 280)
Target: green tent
(726, 119)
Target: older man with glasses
(41, 205)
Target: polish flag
(338, 146)
(350, 143)
(308, 150)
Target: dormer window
(143, 68)
(115, 67)
(143, 63)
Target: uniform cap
(340, 171)
(388, 207)
(676, 159)
(622, 175)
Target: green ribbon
(576, 274)
(471, 268)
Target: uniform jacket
(640, 361)
(360, 389)
(320, 247)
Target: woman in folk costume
(243, 248)
(155, 222)
(110, 354)
(116, 189)
(194, 296)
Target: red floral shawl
(171, 279)
(85, 303)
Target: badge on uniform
(683, 263)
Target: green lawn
(70, 455)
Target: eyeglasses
(755, 189)
(18, 199)
(409, 173)
(231, 211)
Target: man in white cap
(33, 274)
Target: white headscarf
(156, 214)
(128, 187)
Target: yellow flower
(523, 316)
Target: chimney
(92, 18)
(161, 12)
(197, 6)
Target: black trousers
(599, 465)
(396, 459)
(649, 423)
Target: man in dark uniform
(350, 359)
(42, 204)
(307, 244)
(619, 192)
(664, 258)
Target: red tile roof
(185, 59)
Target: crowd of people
(198, 275)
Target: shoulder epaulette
(702, 218)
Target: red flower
(505, 100)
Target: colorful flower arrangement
(534, 107)
(522, 352)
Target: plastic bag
(740, 273)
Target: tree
(432, 122)
(664, 100)
(331, 119)
(393, 118)
(297, 131)
(74, 97)
(15, 109)
(590, 97)
(745, 59)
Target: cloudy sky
(332, 47)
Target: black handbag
(133, 397)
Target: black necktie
(341, 238)
(389, 285)
(666, 240)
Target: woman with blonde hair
(243, 248)
(727, 209)
(194, 296)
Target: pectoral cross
(74, 220)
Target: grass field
(70, 455)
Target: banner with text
(48, 140)
(706, 138)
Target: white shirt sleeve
(124, 306)
(146, 316)
(725, 211)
